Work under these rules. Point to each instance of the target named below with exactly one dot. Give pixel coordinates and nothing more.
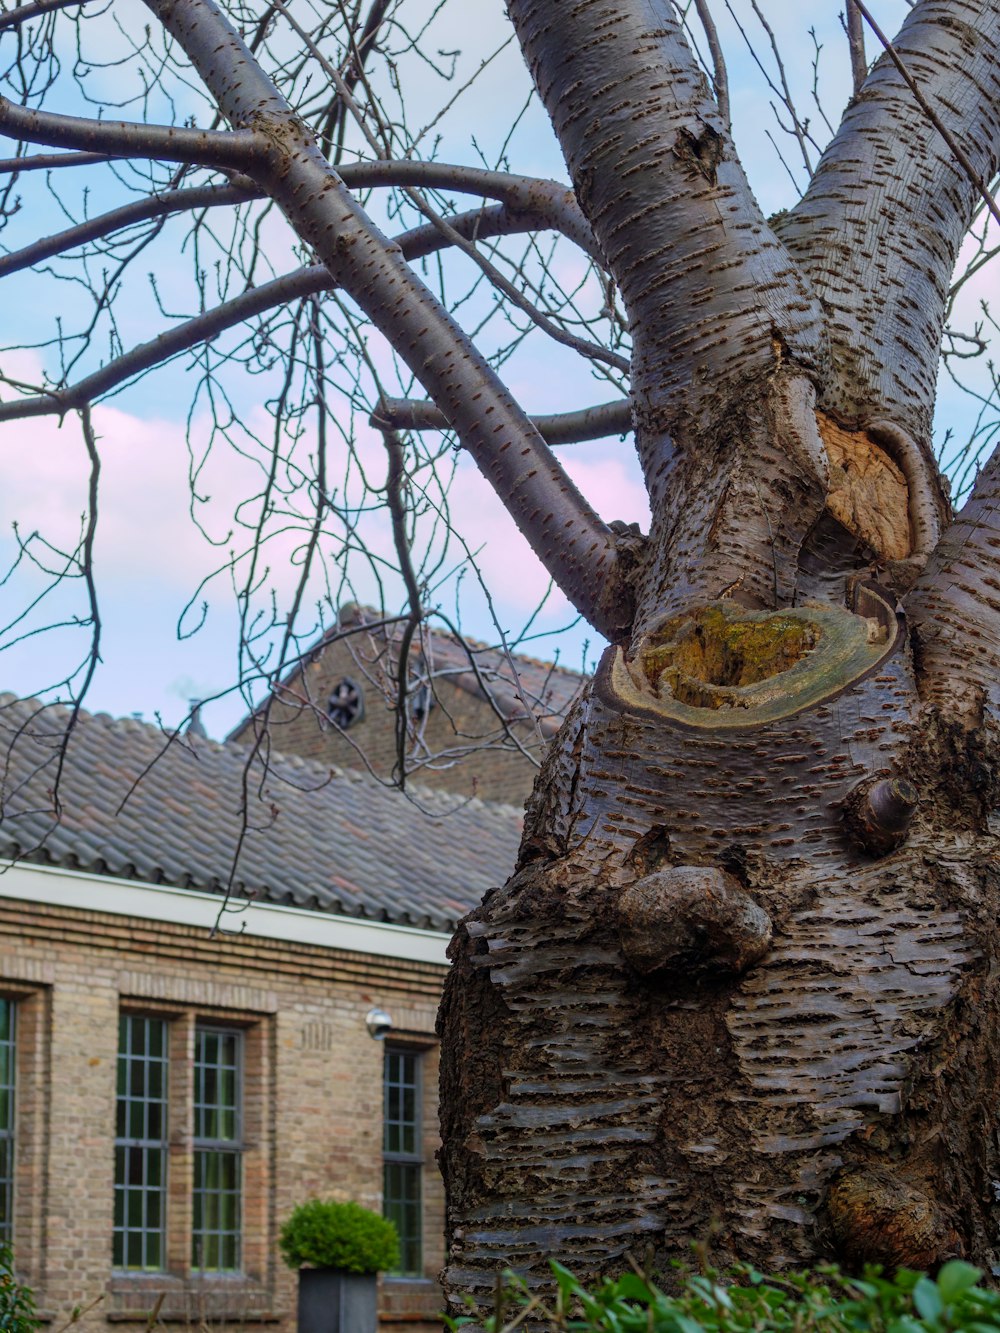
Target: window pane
(141, 1144)
(402, 1205)
(7, 1066)
(217, 1085)
(217, 1214)
(402, 1150)
(215, 1243)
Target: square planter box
(334, 1301)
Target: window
(402, 1150)
(141, 1145)
(159, 1086)
(215, 1236)
(7, 1018)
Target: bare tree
(745, 975)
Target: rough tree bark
(743, 981)
(745, 976)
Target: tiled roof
(139, 803)
(517, 684)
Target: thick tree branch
(961, 157)
(577, 548)
(531, 205)
(236, 149)
(714, 301)
(532, 194)
(395, 485)
(24, 13)
(655, 171)
(954, 611)
(889, 198)
(10, 166)
(856, 43)
(106, 224)
(590, 423)
(720, 76)
(201, 329)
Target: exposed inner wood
(710, 647)
(868, 491)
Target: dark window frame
(8, 1123)
(401, 1166)
(225, 1243)
(146, 1146)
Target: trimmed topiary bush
(824, 1300)
(325, 1234)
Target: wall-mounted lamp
(378, 1023)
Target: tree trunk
(740, 984)
(743, 982)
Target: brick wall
(312, 1100)
(460, 747)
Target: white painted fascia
(55, 887)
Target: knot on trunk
(704, 151)
(691, 915)
(877, 1218)
(878, 813)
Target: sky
(152, 560)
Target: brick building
(179, 1069)
(477, 719)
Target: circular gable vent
(346, 704)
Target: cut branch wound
(722, 666)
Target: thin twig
(589, 423)
(203, 328)
(394, 483)
(581, 345)
(800, 129)
(720, 77)
(856, 42)
(87, 571)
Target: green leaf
(634, 1288)
(956, 1277)
(568, 1284)
(686, 1325)
(927, 1300)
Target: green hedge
(824, 1300)
(17, 1303)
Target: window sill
(404, 1300)
(193, 1300)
